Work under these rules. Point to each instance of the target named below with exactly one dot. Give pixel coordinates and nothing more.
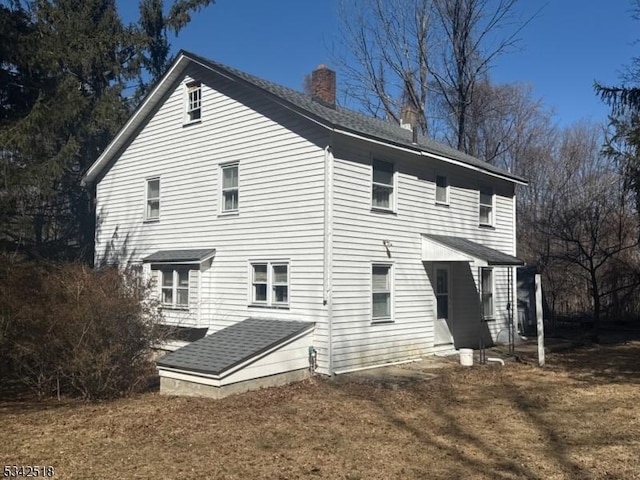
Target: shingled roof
(219, 352)
(490, 255)
(336, 118)
(355, 122)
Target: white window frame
(193, 102)
(224, 190)
(392, 186)
(174, 273)
(446, 190)
(148, 199)
(389, 291)
(491, 206)
(487, 295)
(271, 284)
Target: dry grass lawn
(577, 419)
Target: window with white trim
(442, 190)
(486, 206)
(382, 185)
(194, 102)
(229, 189)
(175, 287)
(152, 201)
(381, 293)
(270, 284)
(486, 286)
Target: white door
(442, 290)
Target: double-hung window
(381, 293)
(229, 191)
(382, 186)
(486, 287)
(152, 207)
(175, 288)
(442, 190)
(486, 207)
(194, 102)
(270, 284)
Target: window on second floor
(486, 212)
(382, 186)
(229, 191)
(152, 201)
(270, 284)
(194, 102)
(442, 190)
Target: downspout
(328, 251)
(514, 275)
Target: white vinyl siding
(359, 236)
(152, 200)
(281, 182)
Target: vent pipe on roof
(323, 85)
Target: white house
(289, 229)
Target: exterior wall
(358, 238)
(281, 201)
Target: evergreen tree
(65, 69)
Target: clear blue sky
(562, 51)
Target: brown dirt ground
(579, 418)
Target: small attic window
(194, 102)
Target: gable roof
(335, 118)
(465, 246)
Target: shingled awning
(184, 256)
(218, 353)
(444, 248)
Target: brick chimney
(323, 85)
(409, 120)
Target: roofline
(149, 102)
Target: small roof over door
(443, 248)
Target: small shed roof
(195, 256)
(472, 249)
(221, 351)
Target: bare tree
(581, 222)
(425, 54)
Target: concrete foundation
(171, 386)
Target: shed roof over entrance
(444, 248)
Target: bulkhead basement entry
(248, 355)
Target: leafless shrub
(71, 329)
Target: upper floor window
(270, 284)
(382, 187)
(486, 206)
(152, 208)
(229, 192)
(442, 189)
(381, 293)
(175, 288)
(486, 287)
(194, 102)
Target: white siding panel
(359, 233)
(281, 200)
